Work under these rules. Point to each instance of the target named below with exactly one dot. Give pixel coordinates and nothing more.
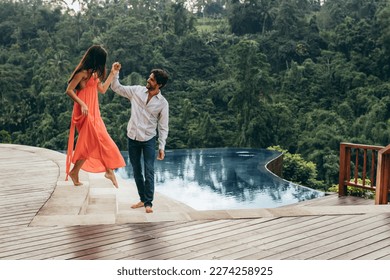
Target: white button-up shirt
(145, 119)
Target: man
(149, 115)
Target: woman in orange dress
(95, 151)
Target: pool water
(223, 178)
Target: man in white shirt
(149, 115)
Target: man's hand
(161, 155)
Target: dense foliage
(303, 75)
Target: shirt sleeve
(124, 91)
(163, 129)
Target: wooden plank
(15, 234)
(13, 223)
(56, 245)
(27, 217)
(371, 251)
(18, 201)
(270, 243)
(326, 243)
(29, 235)
(351, 243)
(103, 250)
(308, 242)
(161, 243)
(327, 237)
(226, 242)
(117, 240)
(96, 248)
(386, 257)
(265, 237)
(20, 190)
(14, 202)
(95, 252)
(89, 231)
(250, 227)
(60, 237)
(26, 183)
(333, 200)
(123, 247)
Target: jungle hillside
(299, 75)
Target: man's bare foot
(111, 176)
(137, 205)
(148, 209)
(75, 178)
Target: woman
(95, 151)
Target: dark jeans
(146, 150)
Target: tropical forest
(298, 76)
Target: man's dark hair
(161, 77)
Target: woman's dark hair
(94, 59)
(161, 77)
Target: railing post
(382, 170)
(382, 177)
(343, 169)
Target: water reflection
(225, 178)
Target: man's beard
(149, 86)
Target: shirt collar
(158, 95)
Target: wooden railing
(382, 177)
(362, 166)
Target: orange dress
(94, 144)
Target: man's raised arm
(116, 85)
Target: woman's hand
(84, 109)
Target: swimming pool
(223, 178)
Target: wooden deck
(323, 229)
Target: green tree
(251, 71)
(298, 170)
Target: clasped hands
(116, 66)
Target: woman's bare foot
(75, 178)
(111, 176)
(148, 209)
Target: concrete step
(101, 203)
(72, 220)
(101, 209)
(102, 197)
(67, 199)
(139, 216)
